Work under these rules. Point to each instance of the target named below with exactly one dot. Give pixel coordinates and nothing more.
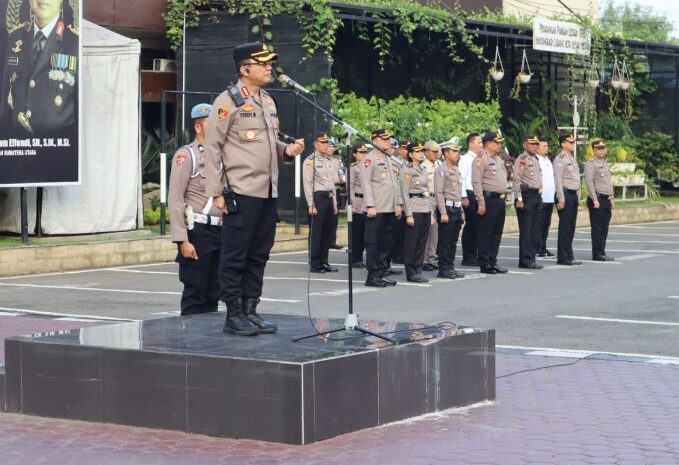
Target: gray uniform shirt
(319, 175)
(566, 175)
(380, 183)
(489, 174)
(527, 173)
(414, 181)
(245, 140)
(356, 187)
(447, 186)
(598, 178)
(187, 186)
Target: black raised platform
(185, 374)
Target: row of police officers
(405, 199)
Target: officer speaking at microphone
(320, 171)
(489, 181)
(243, 139)
(527, 186)
(196, 223)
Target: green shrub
(152, 217)
(413, 118)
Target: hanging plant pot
(616, 83)
(593, 83)
(624, 84)
(497, 74)
(524, 78)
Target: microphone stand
(351, 321)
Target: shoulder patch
(222, 112)
(522, 165)
(181, 158)
(479, 161)
(367, 162)
(406, 176)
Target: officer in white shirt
(469, 247)
(548, 191)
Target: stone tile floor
(591, 412)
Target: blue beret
(202, 110)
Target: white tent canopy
(109, 196)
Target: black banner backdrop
(40, 49)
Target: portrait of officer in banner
(40, 78)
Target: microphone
(285, 81)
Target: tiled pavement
(591, 412)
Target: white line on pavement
(618, 320)
(336, 281)
(673, 297)
(622, 241)
(631, 258)
(610, 233)
(566, 351)
(25, 311)
(609, 250)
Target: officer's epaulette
(354, 163)
(17, 27)
(74, 29)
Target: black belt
(419, 196)
(359, 196)
(572, 191)
(603, 196)
(324, 193)
(495, 195)
(530, 190)
(453, 209)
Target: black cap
(404, 143)
(253, 51)
(358, 147)
(566, 138)
(598, 144)
(415, 147)
(381, 133)
(532, 139)
(491, 136)
(323, 137)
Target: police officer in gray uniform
(319, 175)
(358, 223)
(527, 186)
(448, 195)
(567, 185)
(40, 81)
(242, 152)
(600, 199)
(196, 224)
(417, 207)
(382, 204)
(489, 180)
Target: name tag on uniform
(13, 61)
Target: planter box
(623, 168)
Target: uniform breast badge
(17, 46)
(63, 68)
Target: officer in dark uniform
(319, 174)
(527, 186)
(195, 222)
(489, 180)
(40, 81)
(242, 151)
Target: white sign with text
(561, 37)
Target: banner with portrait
(40, 49)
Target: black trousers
(529, 227)
(200, 277)
(333, 229)
(357, 237)
(469, 234)
(396, 253)
(378, 236)
(247, 239)
(489, 231)
(448, 235)
(415, 243)
(545, 219)
(321, 230)
(599, 219)
(567, 217)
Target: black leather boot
(250, 312)
(236, 322)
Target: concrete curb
(45, 259)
